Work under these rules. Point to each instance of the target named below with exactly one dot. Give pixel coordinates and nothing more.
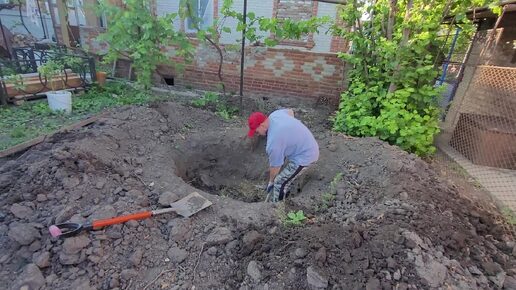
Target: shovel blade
(190, 204)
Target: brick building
(308, 67)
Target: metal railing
(26, 60)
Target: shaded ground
(377, 217)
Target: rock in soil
(509, 283)
(315, 279)
(220, 235)
(253, 270)
(42, 260)
(30, 278)
(212, 251)
(300, 253)
(491, 268)
(167, 197)
(127, 274)
(136, 257)
(23, 233)
(320, 256)
(373, 284)
(177, 255)
(74, 245)
(434, 273)
(252, 240)
(21, 211)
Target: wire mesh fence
(479, 131)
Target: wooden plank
(38, 95)
(62, 10)
(25, 145)
(36, 74)
(36, 86)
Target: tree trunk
(221, 62)
(392, 19)
(403, 43)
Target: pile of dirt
(377, 217)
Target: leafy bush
(394, 66)
(134, 32)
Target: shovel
(186, 207)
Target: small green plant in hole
(328, 197)
(295, 218)
(226, 112)
(207, 99)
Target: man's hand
(269, 188)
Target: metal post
(7, 47)
(447, 61)
(42, 22)
(242, 56)
(462, 68)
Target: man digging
(290, 145)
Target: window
(296, 10)
(202, 12)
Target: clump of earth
(376, 217)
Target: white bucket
(60, 100)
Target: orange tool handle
(121, 219)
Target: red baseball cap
(255, 120)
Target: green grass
(34, 118)
(509, 215)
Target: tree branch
(195, 23)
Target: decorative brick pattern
(319, 68)
(273, 72)
(279, 64)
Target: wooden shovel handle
(121, 219)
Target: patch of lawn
(34, 118)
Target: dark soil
(376, 217)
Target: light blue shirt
(288, 138)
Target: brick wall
(282, 71)
(267, 71)
(295, 9)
